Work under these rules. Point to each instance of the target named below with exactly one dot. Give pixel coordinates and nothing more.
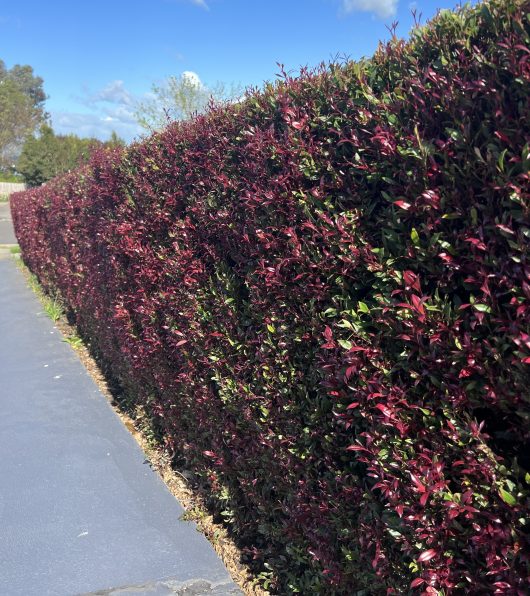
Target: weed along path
(81, 511)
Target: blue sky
(98, 58)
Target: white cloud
(114, 92)
(191, 78)
(382, 8)
(98, 125)
(109, 109)
(121, 113)
(200, 3)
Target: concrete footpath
(7, 236)
(81, 511)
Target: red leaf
(349, 371)
(427, 555)
(453, 513)
(417, 582)
(181, 342)
(356, 448)
(409, 277)
(411, 280)
(505, 229)
(478, 243)
(417, 483)
(355, 404)
(418, 305)
(404, 305)
(526, 360)
(402, 204)
(384, 410)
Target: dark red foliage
(322, 297)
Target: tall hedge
(322, 297)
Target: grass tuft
(74, 341)
(51, 304)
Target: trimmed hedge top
(322, 297)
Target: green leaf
(363, 307)
(500, 161)
(271, 328)
(344, 343)
(414, 236)
(481, 307)
(507, 497)
(431, 307)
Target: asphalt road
(81, 511)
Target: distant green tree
(115, 140)
(47, 155)
(28, 83)
(22, 100)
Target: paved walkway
(6, 230)
(81, 512)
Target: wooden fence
(6, 188)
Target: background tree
(179, 98)
(29, 84)
(115, 140)
(47, 155)
(22, 100)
